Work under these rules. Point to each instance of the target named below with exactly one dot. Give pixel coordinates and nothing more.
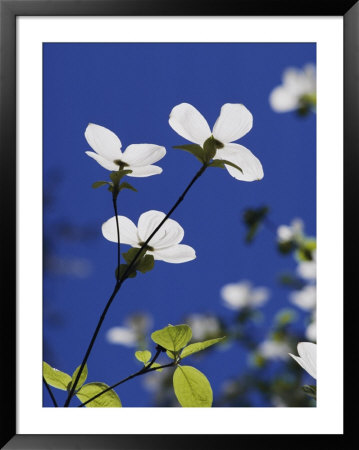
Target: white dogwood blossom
(242, 295)
(165, 244)
(306, 298)
(296, 84)
(137, 157)
(233, 123)
(307, 358)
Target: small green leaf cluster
(307, 103)
(310, 390)
(115, 186)
(206, 153)
(84, 392)
(253, 219)
(191, 386)
(144, 263)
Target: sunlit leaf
(143, 356)
(82, 378)
(199, 346)
(154, 365)
(173, 338)
(55, 378)
(108, 400)
(191, 387)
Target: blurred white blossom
(294, 231)
(306, 298)
(307, 358)
(271, 349)
(296, 85)
(242, 295)
(203, 326)
(133, 333)
(311, 331)
(308, 269)
(123, 336)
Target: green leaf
(171, 354)
(156, 365)
(191, 387)
(305, 250)
(108, 400)
(125, 185)
(199, 346)
(130, 255)
(143, 356)
(195, 149)
(222, 162)
(116, 176)
(145, 264)
(98, 184)
(172, 338)
(210, 147)
(82, 378)
(310, 390)
(123, 268)
(55, 378)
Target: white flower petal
(137, 155)
(103, 141)
(128, 231)
(145, 171)
(243, 158)
(308, 352)
(307, 358)
(282, 99)
(233, 122)
(189, 123)
(109, 165)
(175, 254)
(171, 232)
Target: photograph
(179, 224)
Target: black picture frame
(9, 10)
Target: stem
(123, 278)
(50, 393)
(144, 370)
(114, 200)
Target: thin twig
(50, 392)
(123, 278)
(144, 370)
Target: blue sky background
(131, 89)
